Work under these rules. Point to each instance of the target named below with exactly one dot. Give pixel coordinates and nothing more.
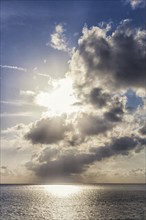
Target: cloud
(58, 39)
(14, 130)
(73, 130)
(116, 60)
(48, 130)
(48, 154)
(4, 167)
(115, 114)
(75, 139)
(136, 3)
(12, 141)
(105, 66)
(92, 125)
(14, 67)
(98, 120)
(18, 114)
(65, 166)
(27, 93)
(98, 97)
(143, 130)
(5, 171)
(28, 103)
(44, 75)
(71, 164)
(138, 171)
(15, 103)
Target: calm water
(72, 202)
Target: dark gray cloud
(123, 145)
(71, 164)
(102, 53)
(75, 140)
(3, 167)
(115, 114)
(143, 130)
(64, 166)
(93, 125)
(119, 58)
(120, 146)
(48, 130)
(98, 97)
(54, 129)
(128, 63)
(48, 154)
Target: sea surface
(73, 202)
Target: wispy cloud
(27, 93)
(19, 114)
(36, 71)
(16, 103)
(14, 67)
(44, 75)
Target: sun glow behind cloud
(60, 99)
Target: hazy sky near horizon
(73, 91)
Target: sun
(60, 99)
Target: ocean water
(73, 202)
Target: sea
(73, 202)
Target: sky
(73, 91)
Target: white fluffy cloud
(58, 39)
(136, 3)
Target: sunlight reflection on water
(73, 202)
(62, 190)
